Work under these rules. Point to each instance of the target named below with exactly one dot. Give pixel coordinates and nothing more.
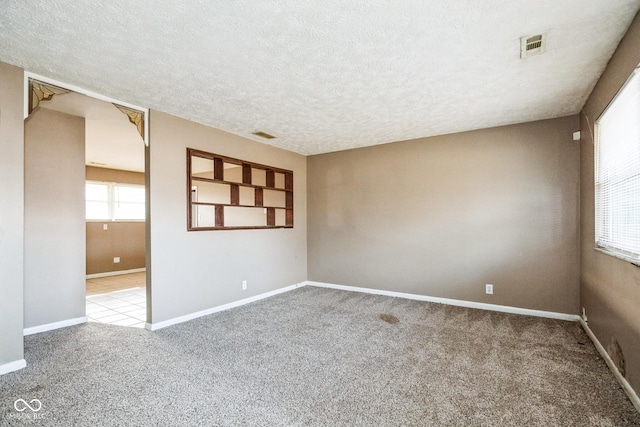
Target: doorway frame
(29, 75)
(145, 111)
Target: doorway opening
(115, 201)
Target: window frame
(623, 254)
(111, 191)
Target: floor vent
(532, 45)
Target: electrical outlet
(105, 226)
(489, 289)
(244, 285)
(116, 259)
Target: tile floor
(118, 300)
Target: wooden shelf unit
(277, 182)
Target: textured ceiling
(324, 76)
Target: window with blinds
(617, 174)
(108, 201)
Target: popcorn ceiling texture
(324, 76)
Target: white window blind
(617, 180)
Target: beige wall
(113, 175)
(610, 287)
(11, 213)
(121, 239)
(444, 216)
(54, 265)
(193, 271)
(124, 239)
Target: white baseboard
(115, 273)
(55, 325)
(633, 396)
(13, 366)
(448, 301)
(191, 316)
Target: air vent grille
(534, 42)
(263, 135)
(532, 45)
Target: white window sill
(634, 261)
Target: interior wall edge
(12, 213)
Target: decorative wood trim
(136, 117)
(246, 173)
(235, 194)
(73, 88)
(271, 179)
(40, 91)
(219, 216)
(289, 217)
(190, 193)
(218, 169)
(211, 156)
(272, 217)
(241, 227)
(233, 205)
(288, 181)
(289, 206)
(241, 184)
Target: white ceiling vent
(533, 45)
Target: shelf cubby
(225, 193)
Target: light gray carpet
(316, 356)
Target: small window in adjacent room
(97, 200)
(106, 201)
(128, 202)
(617, 174)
